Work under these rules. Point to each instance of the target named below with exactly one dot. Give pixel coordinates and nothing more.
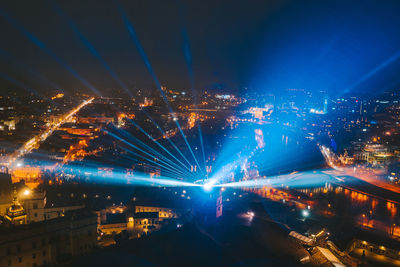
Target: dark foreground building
(49, 242)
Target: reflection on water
(367, 211)
(332, 200)
(286, 152)
(354, 200)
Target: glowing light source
(250, 213)
(207, 187)
(26, 192)
(305, 213)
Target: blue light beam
(169, 140)
(45, 49)
(156, 142)
(371, 73)
(89, 46)
(142, 53)
(165, 165)
(188, 58)
(144, 145)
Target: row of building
(36, 231)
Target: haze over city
(199, 133)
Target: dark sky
(339, 46)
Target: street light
(250, 214)
(305, 213)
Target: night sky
(338, 46)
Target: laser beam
(45, 49)
(89, 46)
(165, 165)
(150, 149)
(142, 53)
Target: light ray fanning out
(117, 176)
(89, 46)
(155, 152)
(45, 49)
(375, 70)
(166, 165)
(156, 142)
(188, 58)
(311, 178)
(142, 53)
(169, 140)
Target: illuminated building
(78, 151)
(325, 110)
(53, 119)
(121, 120)
(316, 111)
(163, 212)
(259, 138)
(84, 129)
(192, 120)
(96, 120)
(15, 214)
(39, 208)
(345, 159)
(33, 202)
(112, 220)
(8, 125)
(375, 154)
(31, 175)
(389, 252)
(260, 113)
(225, 97)
(147, 102)
(147, 219)
(219, 206)
(60, 95)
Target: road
(35, 141)
(371, 176)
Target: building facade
(49, 242)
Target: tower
(16, 213)
(325, 105)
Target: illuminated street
(34, 143)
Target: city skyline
(199, 133)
